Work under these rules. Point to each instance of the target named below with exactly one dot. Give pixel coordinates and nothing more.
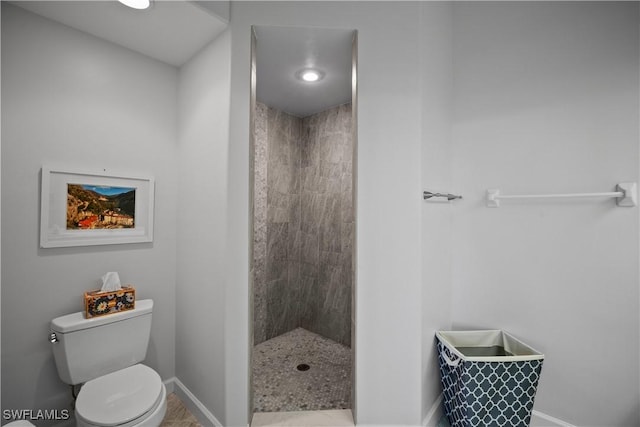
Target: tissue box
(98, 303)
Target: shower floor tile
(278, 384)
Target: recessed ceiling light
(136, 4)
(310, 75)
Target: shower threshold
(328, 418)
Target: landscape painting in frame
(82, 207)
(100, 207)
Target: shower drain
(303, 367)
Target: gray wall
(278, 144)
(327, 224)
(260, 192)
(546, 101)
(303, 223)
(203, 106)
(64, 95)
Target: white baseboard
(435, 413)
(169, 385)
(204, 416)
(538, 419)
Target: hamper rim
(517, 358)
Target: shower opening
(303, 141)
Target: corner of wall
(195, 406)
(219, 8)
(436, 40)
(433, 416)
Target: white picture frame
(69, 218)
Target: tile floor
(278, 386)
(177, 414)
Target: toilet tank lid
(77, 321)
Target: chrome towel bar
(625, 194)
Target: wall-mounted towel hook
(428, 194)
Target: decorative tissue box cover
(97, 303)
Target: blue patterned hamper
(489, 378)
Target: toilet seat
(121, 398)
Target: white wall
(66, 96)
(546, 101)
(202, 161)
(436, 231)
(388, 322)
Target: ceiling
(169, 31)
(281, 52)
(172, 31)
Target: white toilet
(104, 354)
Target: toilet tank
(85, 349)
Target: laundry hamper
(489, 378)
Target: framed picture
(82, 208)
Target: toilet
(104, 354)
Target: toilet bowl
(134, 396)
(104, 355)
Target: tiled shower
(302, 258)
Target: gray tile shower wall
(303, 223)
(284, 136)
(327, 221)
(260, 224)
